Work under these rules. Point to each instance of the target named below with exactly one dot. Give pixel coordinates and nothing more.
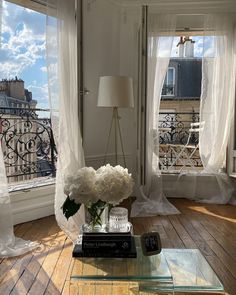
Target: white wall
(31, 204)
(110, 48)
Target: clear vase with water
(96, 219)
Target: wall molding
(98, 160)
(31, 204)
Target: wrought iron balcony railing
(174, 154)
(168, 89)
(27, 142)
(29, 150)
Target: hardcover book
(106, 249)
(106, 242)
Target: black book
(106, 241)
(107, 245)
(113, 236)
(106, 253)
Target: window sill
(32, 200)
(31, 184)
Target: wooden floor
(210, 228)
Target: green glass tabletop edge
(122, 278)
(167, 279)
(219, 287)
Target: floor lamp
(115, 92)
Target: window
(169, 83)
(23, 80)
(179, 106)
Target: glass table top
(184, 270)
(141, 268)
(191, 271)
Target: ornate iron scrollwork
(174, 130)
(178, 125)
(27, 143)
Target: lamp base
(115, 121)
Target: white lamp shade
(115, 91)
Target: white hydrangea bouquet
(107, 186)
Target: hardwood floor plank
(67, 285)
(156, 225)
(220, 237)
(59, 275)
(171, 233)
(7, 264)
(183, 234)
(27, 278)
(210, 228)
(42, 279)
(224, 258)
(226, 226)
(11, 278)
(138, 224)
(224, 275)
(71, 288)
(198, 240)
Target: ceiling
(184, 6)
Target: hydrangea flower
(107, 185)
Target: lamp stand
(118, 136)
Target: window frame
(18, 189)
(166, 78)
(231, 150)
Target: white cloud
(22, 43)
(30, 11)
(40, 93)
(42, 89)
(43, 69)
(198, 46)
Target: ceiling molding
(184, 6)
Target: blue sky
(198, 46)
(22, 52)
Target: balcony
(30, 153)
(175, 155)
(168, 90)
(28, 145)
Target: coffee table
(173, 271)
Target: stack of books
(110, 245)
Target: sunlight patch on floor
(206, 211)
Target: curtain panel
(161, 31)
(9, 244)
(217, 100)
(61, 48)
(216, 113)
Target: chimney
(180, 46)
(189, 47)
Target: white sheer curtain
(213, 185)
(217, 99)
(61, 43)
(9, 244)
(161, 34)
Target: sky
(22, 51)
(198, 46)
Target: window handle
(84, 91)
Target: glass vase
(96, 219)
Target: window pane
(170, 77)
(25, 135)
